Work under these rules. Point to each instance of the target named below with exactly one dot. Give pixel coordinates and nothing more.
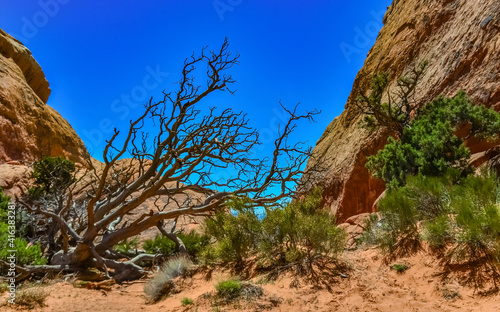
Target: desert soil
(369, 285)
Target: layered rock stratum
(460, 39)
(29, 128)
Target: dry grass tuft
(161, 284)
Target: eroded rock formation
(29, 128)
(460, 39)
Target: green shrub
(160, 245)
(438, 232)
(399, 220)
(300, 231)
(429, 145)
(400, 268)
(235, 232)
(4, 207)
(26, 253)
(193, 241)
(127, 246)
(461, 218)
(421, 199)
(4, 287)
(52, 174)
(229, 289)
(186, 301)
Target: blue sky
(105, 58)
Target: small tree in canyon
(178, 168)
(396, 113)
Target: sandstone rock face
(460, 39)
(29, 128)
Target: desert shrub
(161, 284)
(429, 144)
(127, 246)
(476, 229)
(26, 253)
(186, 301)
(235, 233)
(400, 268)
(460, 218)
(31, 297)
(51, 174)
(4, 287)
(4, 204)
(300, 231)
(193, 241)
(233, 289)
(437, 232)
(399, 220)
(159, 245)
(229, 289)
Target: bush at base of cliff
(429, 144)
(26, 253)
(301, 232)
(235, 234)
(296, 235)
(459, 219)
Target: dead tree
(181, 162)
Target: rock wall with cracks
(461, 40)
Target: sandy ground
(370, 285)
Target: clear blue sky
(98, 55)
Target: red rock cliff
(460, 39)
(29, 128)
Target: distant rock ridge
(29, 128)
(461, 40)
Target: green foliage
(4, 206)
(477, 219)
(400, 268)
(236, 233)
(4, 287)
(52, 174)
(437, 232)
(399, 219)
(459, 217)
(300, 231)
(26, 253)
(421, 199)
(397, 112)
(429, 145)
(393, 163)
(193, 241)
(160, 245)
(229, 289)
(186, 301)
(127, 246)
